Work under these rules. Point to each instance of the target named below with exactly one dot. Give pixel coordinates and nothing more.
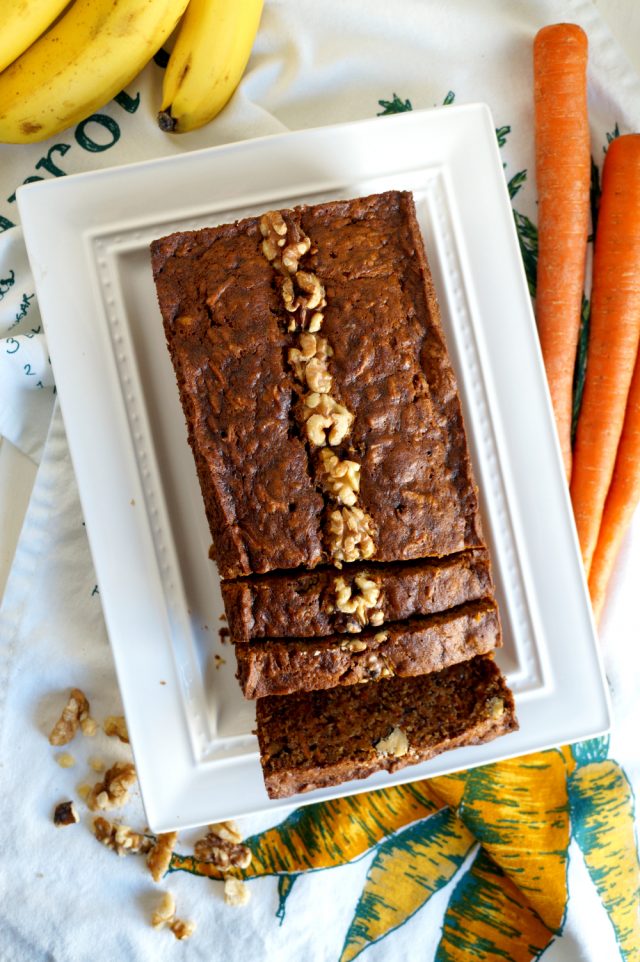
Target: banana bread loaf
(321, 405)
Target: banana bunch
(208, 60)
(60, 62)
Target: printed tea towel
(535, 856)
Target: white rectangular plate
(88, 238)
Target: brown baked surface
(226, 329)
(416, 646)
(316, 739)
(303, 605)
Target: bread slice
(412, 647)
(316, 739)
(308, 604)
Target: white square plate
(88, 237)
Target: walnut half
(396, 743)
(74, 712)
(327, 422)
(341, 479)
(159, 857)
(113, 790)
(350, 535)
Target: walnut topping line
(350, 531)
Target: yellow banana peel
(207, 62)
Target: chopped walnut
(73, 714)
(182, 929)
(65, 760)
(327, 422)
(222, 852)
(120, 838)
(236, 892)
(292, 253)
(377, 667)
(65, 814)
(350, 533)
(96, 764)
(341, 479)
(317, 377)
(354, 644)
(165, 912)
(159, 857)
(396, 743)
(115, 725)
(495, 707)
(88, 727)
(304, 296)
(359, 604)
(113, 790)
(381, 637)
(84, 790)
(376, 618)
(274, 231)
(315, 323)
(311, 285)
(309, 362)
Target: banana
(87, 57)
(207, 61)
(22, 22)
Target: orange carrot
(613, 339)
(563, 172)
(622, 499)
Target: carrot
(563, 173)
(622, 499)
(613, 339)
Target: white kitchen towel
(63, 896)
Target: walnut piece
(274, 231)
(495, 707)
(182, 929)
(159, 857)
(396, 743)
(65, 760)
(377, 667)
(165, 914)
(115, 725)
(311, 284)
(65, 814)
(309, 362)
(74, 712)
(341, 479)
(83, 791)
(360, 603)
(165, 911)
(222, 852)
(96, 764)
(236, 892)
(88, 727)
(327, 422)
(354, 644)
(292, 253)
(120, 838)
(113, 790)
(350, 533)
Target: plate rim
(31, 200)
